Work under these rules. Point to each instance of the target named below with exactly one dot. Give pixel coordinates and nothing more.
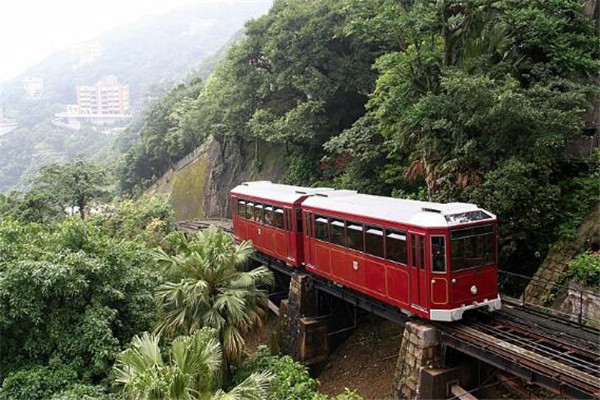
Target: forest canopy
(449, 101)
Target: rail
(510, 284)
(190, 157)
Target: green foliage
(296, 79)
(149, 218)
(167, 136)
(207, 288)
(582, 192)
(37, 383)
(585, 269)
(70, 298)
(291, 379)
(191, 371)
(27, 149)
(476, 101)
(73, 185)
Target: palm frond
(255, 387)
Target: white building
(33, 87)
(107, 97)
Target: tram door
(418, 279)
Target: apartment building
(107, 97)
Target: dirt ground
(365, 361)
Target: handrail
(550, 311)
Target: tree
(211, 291)
(190, 373)
(74, 185)
(71, 298)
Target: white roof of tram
(283, 193)
(419, 213)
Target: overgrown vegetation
(585, 269)
(443, 100)
(78, 297)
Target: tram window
(438, 254)
(355, 236)
(321, 228)
(250, 210)
(269, 215)
(278, 218)
(298, 220)
(395, 246)
(259, 213)
(472, 247)
(338, 234)
(374, 241)
(241, 209)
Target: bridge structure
(541, 349)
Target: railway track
(562, 363)
(539, 353)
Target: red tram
(428, 259)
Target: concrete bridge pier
(420, 371)
(304, 336)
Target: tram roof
(420, 213)
(279, 192)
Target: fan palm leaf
(212, 291)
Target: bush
(585, 269)
(292, 380)
(36, 383)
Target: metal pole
(580, 307)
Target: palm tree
(191, 372)
(210, 290)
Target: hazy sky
(31, 30)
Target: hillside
(156, 51)
(479, 108)
(150, 56)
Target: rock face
(419, 350)
(542, 289)
(200, 188)
(581, 304)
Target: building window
(395, 246)
(278, 218)
(321, 228)
(374, 241)
(438, 254)
(355, 236)
(338, 232)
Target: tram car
(428, 259)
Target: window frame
(362, 235)
(334, 222)
(326, 223)
(380, 228)
(278, 211)
(392, 231)
(446, 269)
(492, 236)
